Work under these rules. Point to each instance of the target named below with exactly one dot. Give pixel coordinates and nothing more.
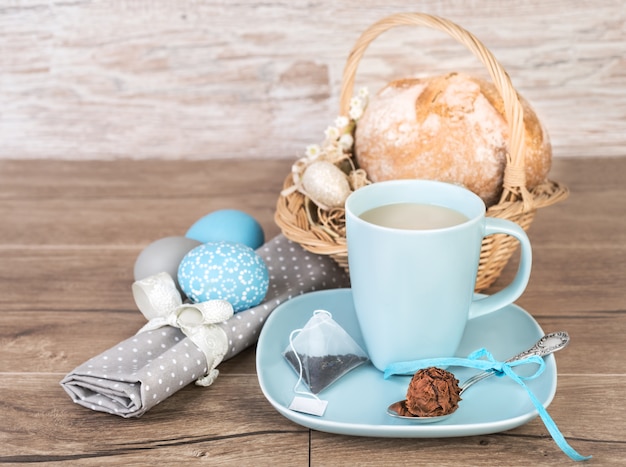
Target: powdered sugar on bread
(444, 128)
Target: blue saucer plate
(357, 402)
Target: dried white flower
(342, 122)
(313, 151)
(332, 133)
(356, 112)
(356, 102)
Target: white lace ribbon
(160, 302)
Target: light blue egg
(229, 225)
(224, 270)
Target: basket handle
(514, 182)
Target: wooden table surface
(69, 236)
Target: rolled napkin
(182, 342)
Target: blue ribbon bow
(482, 359)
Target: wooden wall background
(202, 79)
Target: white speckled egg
(326, 184)
(224, 270)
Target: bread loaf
(449, 128)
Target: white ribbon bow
(160, 302)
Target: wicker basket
(323, 231)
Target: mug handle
(506, 296)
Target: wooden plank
(226, 423)
(129, 179)
(579, 245)
(582, 221)
(590, 175)
(100, 279)
(57, 342)
(527, 445)
(49, 211)
(59, 222)
(202, 79)
(594, 215)
(569, 280)
(577, 275)
(129, 203)
(67, 279)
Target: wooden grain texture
(585, 232)
(206, 79)
(70, 233)
(108, 204)
(184, 429)
(58, 341)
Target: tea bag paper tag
(308, 405)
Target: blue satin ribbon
(482, 359)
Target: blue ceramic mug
(413, 254)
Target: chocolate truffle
(432, 392)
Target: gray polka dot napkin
(133, 376)
(293, 271)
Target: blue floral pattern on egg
(226, 271)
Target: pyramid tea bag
(322, 352)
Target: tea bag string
(482, 359)
(297, 356)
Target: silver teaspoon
(548, 344)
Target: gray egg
(163, 255)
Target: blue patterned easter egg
(224, 270)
